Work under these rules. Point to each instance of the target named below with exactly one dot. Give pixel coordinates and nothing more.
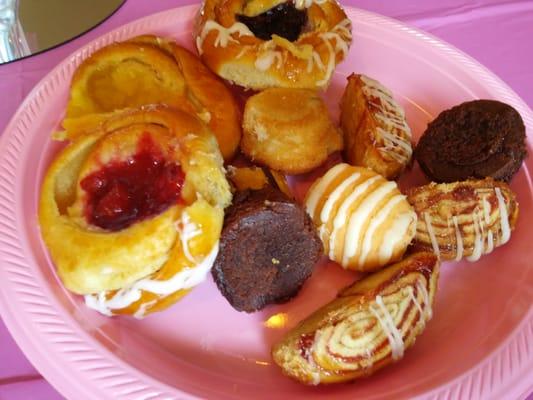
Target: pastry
(363, 220)
(463, 219)
(152, 70)
(376, 134)
(476, 139)
(368, 326)
(288, 130)
(268, 248)
(261, 44)
(131, 213)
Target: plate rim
(472, 381)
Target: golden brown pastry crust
(463, 219)
(91, 260)
(376, 134)
(368, 326)
(233, 52)
(288, 130)
(363, 220)
(152, 70)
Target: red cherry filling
(124, 192)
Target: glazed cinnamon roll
(368, 326)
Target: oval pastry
(152, 70)
(376, 134)
(363, 220)
(132, 212)
(261, 44)
(368, 326)
(463, 219)
(288, 130)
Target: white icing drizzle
(395, 234)
(375, 223)
(411, 292)
(316, 194)
(504, 217)
(187, 230)
(425, 296)
(267, 58)
(342, 212)
(341, 45)
(315, 60)
(334, 196)
(360, 216)
(244, 50)
(458, 240)
(184, 279)
(224, 35)
(477, 252)
(431, 233)
(393, 131)
(389, 327)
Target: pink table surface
(497, 33)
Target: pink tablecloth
(498, 33)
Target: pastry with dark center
(260, 44)
(284, 20)
(476, 139)
(268, 249)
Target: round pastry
(260, 44)
(376, 134)
(288, 130)
(463, 219)
(152, 70)
(476, 139)
(363, 220)
(368, 326)
(131, 213)
(268, 248)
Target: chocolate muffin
(268, 249)
(476, 139)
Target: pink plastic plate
(478, 345)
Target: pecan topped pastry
(463, 219)
(368, 326)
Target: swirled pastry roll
(152, 70)
(368, 326)
(376, 134)
(131, 213)
(262, 44)
(363, 220)
(463, 219)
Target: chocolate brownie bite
(268, 249)
(476, 139)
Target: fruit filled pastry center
(132, 212)
(128, 190)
